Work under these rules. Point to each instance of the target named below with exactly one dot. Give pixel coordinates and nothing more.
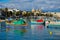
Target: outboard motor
(44, 23)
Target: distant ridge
(43, 10)
(52, 10)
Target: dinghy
(53, 24)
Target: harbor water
(29, 32)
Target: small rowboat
(2, 20)
(53, 24)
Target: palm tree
(6, 9)
(51, 15)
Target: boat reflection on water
(37, 29)
(40, 27)
(37, 26)
(3, 26)
(20, 31)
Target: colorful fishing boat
(38, 21)
(53, 24)
(9, 20)
(19, 22)
(2, 20)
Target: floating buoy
(50, 32)
(47, 22)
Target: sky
(45, 5)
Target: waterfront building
(33, 10)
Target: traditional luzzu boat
(2, 20)
(19, 22)
(38, 21)
(53, 24)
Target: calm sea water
(4, 1)
(30, 32)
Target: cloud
(29, 4)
